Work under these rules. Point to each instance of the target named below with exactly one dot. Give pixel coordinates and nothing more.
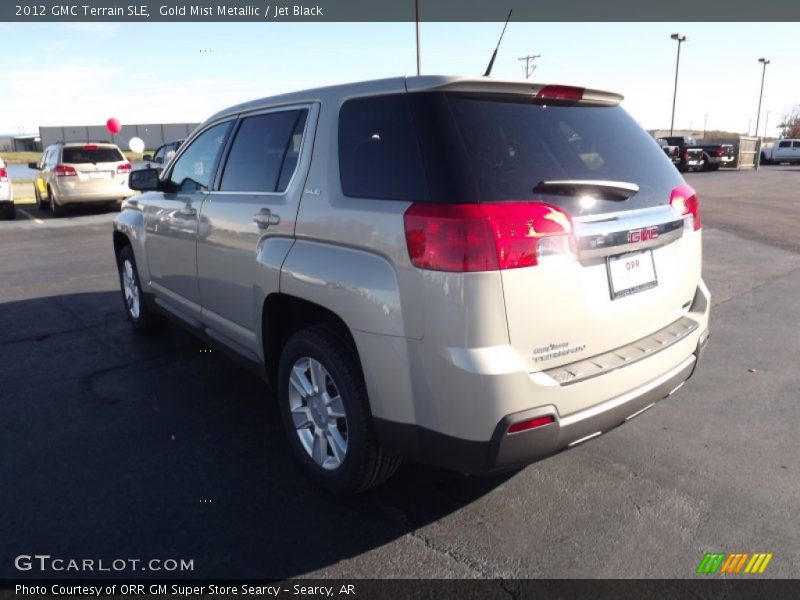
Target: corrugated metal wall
(153, 134)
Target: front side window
(264, 152)
(194, 170)
(785, 145)
(796, 144)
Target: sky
(85, 73)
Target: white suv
(466, 272)
(75, 173)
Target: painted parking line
(30, 216)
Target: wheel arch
(282, 315)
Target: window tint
(258, 151)
(486, 148)
(90, 154)
(292, 153)
(785, 145)
(194, 169)
(379, 154)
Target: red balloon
(113, 125)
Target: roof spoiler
(428, 83)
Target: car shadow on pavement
(118, 445)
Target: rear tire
(57, 210)
(7, 211)
(141, 316)
(326, 415)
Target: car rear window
(90, 154)
(490, 148)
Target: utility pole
(529, 66)
(705, 122)
(416, 18)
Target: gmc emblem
(642, 235)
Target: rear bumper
(76, 194)
(509, 451)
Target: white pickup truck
(781, 151)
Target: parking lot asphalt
(115, 445)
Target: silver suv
(74, 173)
(466, 272)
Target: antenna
(494, 55)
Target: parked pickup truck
(781, 151)
(690, 156)
(672, 152)
(713, 155)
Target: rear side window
(264, 152)
(379, 154)
(796, 144)
(785, 145)
(90, 154)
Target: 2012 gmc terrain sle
(468, 272)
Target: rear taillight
(65, 171)
(531, 424)
(560, 92)
(124, 168)
(720, 151)
(90, 147)
(485, 237)
(685, 202)
(685, 155)
(3, 174)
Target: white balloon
(136, 145)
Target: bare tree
(791, 124)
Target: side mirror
(34, 166)
(144, 180)
(147, 157)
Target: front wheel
(138, 312)
(40, 203)
(326, 414)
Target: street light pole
(680, 39)
(705, 123)
(765, 62)
(766, 122)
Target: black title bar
(399, 10)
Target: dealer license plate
(631, 273)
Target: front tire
(40, 203)
(138, 312)
(326, 415)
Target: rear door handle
(264, 218)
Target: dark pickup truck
(712, 156)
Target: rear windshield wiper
(609, 190)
